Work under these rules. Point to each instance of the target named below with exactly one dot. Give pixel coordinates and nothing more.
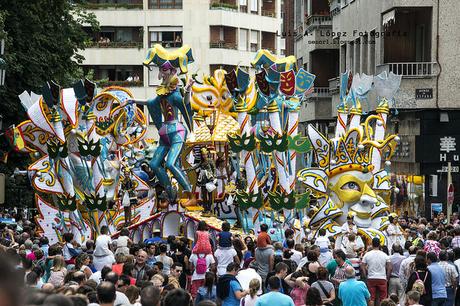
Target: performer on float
(349, 227)
(222, 176)
(394, 232)
(127, 192)
(206, 170)
(164, 110)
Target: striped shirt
(455, 243)
(339, 275)
(449, 272)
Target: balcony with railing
(314, 22)
(168, 38)
(321, 92)
(229, 5)
(115, 37)
(114, 44)
(127, 83)
(409, 55)
(411, 70)
(223, 45)
(223, 37)
(120, 75)
(112, 4)
(165, 4)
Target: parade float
(85, 146)
(348, 180)
(246, 140)
(227, 150)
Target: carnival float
(228, 149)
(349, 181)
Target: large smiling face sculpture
(346, 180)
(212, 94)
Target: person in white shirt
(165, 259)
(322, 241)
(98, 276)
(198, 278)
(223, 258)
(377, 266)
(405, 267)
(349, 227)
(394, 232)
(123, 242)
(102, 255)
(296, 255)
(245, 277)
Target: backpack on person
(201, 266)
(419, 285)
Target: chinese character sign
(447, 144)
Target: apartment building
(317, 52)
(222, 33)
(413, 38)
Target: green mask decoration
(274, 143)
(277, 200)
(275, 203)
(246, 200)
(94, 202)
(299, 144)
(67, 203)
(56, 149)
(239, 143)
(89, 147)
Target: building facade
(223, 33)
(412, 38)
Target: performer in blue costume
(164, 110)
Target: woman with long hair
(58, 271)
(420, 276)
(312, 267)
(208, 290)
(251, 298)
(81, 264)
(181, 257)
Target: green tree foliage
(43, 40)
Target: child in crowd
(351, 247)
(251, 298)
(202, 243)
(225, 237)
(413, 298)
(58, 271)
(263, 239)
